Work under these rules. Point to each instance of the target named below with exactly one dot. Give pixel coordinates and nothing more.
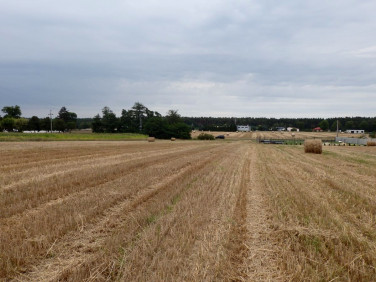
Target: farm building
(280, 128)
(292, 129)
(317, 129)
(355, 131)
(243, 128)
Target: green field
(5, 137)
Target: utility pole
(337, 127)
(140, 123)
(50, 114)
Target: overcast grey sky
(204, 58)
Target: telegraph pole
(337, 127)
(50, 114)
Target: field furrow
(261, 263)
(236, 248)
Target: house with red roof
(317, 129)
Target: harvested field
(186, 211)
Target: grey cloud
(244, 55)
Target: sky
(234, 58)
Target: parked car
(220, 137)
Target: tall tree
(45, 124)
(96, 125)
(173, 117)
(12, 111)
(127, 122)
(34, 123)
(59, 124)
(63, 114)
(324, 124)
(167, 127)
(69, 118)
(8, 124)
(70, 125)
(21, 124)
(157, 127)
(180, 130)
(139, 113)
(109, 120)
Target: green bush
(8, 124)
(205, 136)
(159, 127)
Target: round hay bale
(371, 143)
(173, 138)
(313, 146)
(151, 139)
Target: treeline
(12, 121)
(304, 124)
(139, 119)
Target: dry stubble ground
(181, 211)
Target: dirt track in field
(178, 211)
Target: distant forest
(304, 124)
(139, 119)
(368, 124)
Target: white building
(280, 128)
(243, 128)
(292, 129)
(355, 131)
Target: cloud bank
(212, 58)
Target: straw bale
(151, 139)
(313, 146)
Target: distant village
(247, 128)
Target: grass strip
(17, 137)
